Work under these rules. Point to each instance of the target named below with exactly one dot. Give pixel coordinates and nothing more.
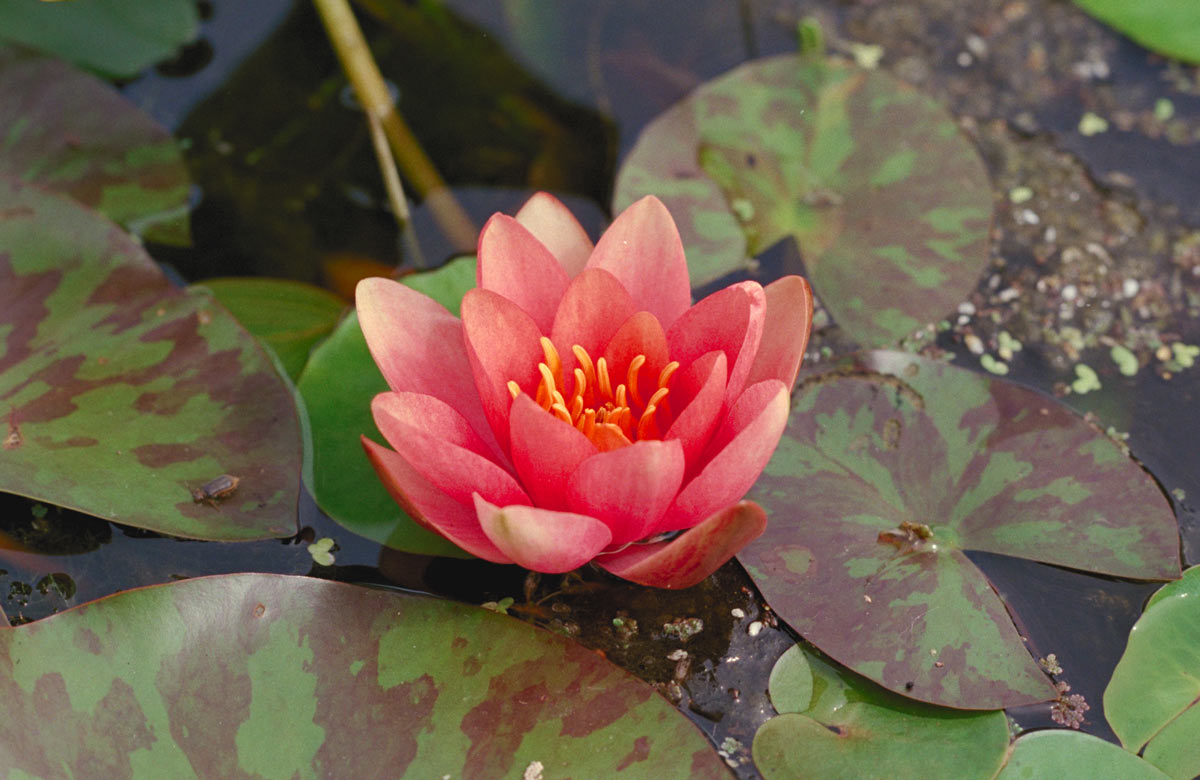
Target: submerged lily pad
(1153, 699)
(288, 316)
(1170, 27)
(889, 470)
(890, 204)
(114, 37)
(1061, 753)
(121, 395)
(275, 676)
(337, 386)
(72, 133)
(853, 729)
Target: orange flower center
(611, 415)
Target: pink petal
(555, 226)
(730, 320)
(418, 346)
(590, 312)
(702, 384)
(541, 539)
(513, 263)
(786, 327)
(456, 471)
(431, 507)
(746, 439)
(691, 557)
(546, 451)
(502, 345)
(629, 488)
(641, 334)
(642, 249)
(431, 415)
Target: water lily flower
(583, 409)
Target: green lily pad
(853, 729)
(337, 386)
(1065, 754)
(121, 395)
(894, 466)
(1170, 27)
(890, 204)
(262, 675)
(114, 37)
(72, 133)
(290, 317)
(1153, 699)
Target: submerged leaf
(72, 133)
(124, 397)
(888, 471)
(889, 203)
(275, 676)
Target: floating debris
(1020, 194)
(993, 366)
(1086, 379)
(1092, 124)
(1050, 664)
(1127, 362)
(500, 606)
(684, 629)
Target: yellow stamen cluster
(609, 416)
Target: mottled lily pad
(72, 133)
(853, 729)
(114, 37)
(889, 470)
(337, 386)
(1153, 699)
(1064, 754)
(890, 204)
(121, 395)
(261, 675)
(1170, 27)
(290, 317)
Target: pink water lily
(583, 408)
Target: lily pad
(854, 729)
(890, 204)
(290, 317)
(889, 470)
(1170, 27)
(72, 133)
(1153, 699)
(115, 37)
(274, 676)
(1061, 753)
(337, 386)
(121, 395)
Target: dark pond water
(513, 97)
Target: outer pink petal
(730, 320)
(641, 334)
(429, 414)
(431, 507)
(418, 346)
(502, 345)
(760, 416)
(541, 539)
(546, 451)
(786, 327)
(704, 383)
(554, 225)
(629, 488)
(642, 249)
(591, 310)
(695, 554)
(456, 471)
(513, 263)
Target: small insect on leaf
(216, 489)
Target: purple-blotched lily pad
(889, 203)
(844, 727)
(889, 470)
(71, 133)
(277, 676)
(120, 394)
